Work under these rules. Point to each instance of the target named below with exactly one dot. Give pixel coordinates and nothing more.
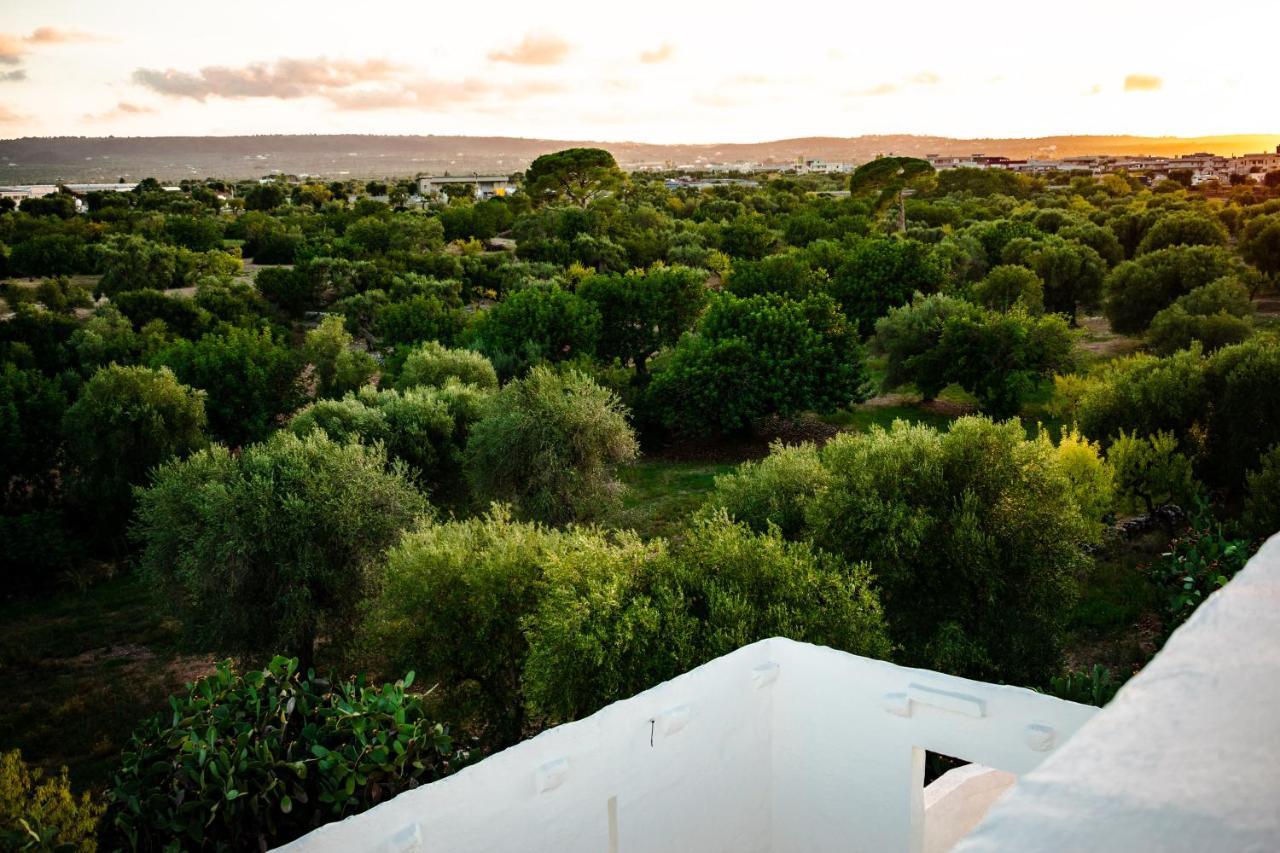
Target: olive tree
(270, 550)
(126, 421)
(549, 444)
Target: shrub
(1198, 563)
(548, 445)
(40, 550)
(425, 427)
(642, 312)
(1092, 479)
(471, 581)
(255, 760)
(1183, 228)
(1135, 291)
(1096, 686)
(32, 406)
(273, 548)
(250, 378)
(1243, 420)
(774, 491)
(758, 356)
(1145, 395)
(610, 625)
(43, 814)
(558, 623)
(434, 365)
(1152, 470)
(881, 274)
(127, 421)
(975, 535)
(1262, 495)
(537, 324)
(1007, 286)
(998, 357)
(1216, 314)
(339, 368)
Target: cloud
(13, 48)
(923, 78)
(1142, 83)
(12, 76)
(124, 109)
(53, 35)
(285, 79)
(534, 50)
(8, 115)
(660, 54)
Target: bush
(613, 624)
(1152, 470)
(1243, 420)
(976, 536)
(758, 356)
(881, 274)
(256, 760)
(1135, 291)
(1262, 495)
(273, 548)
(39, 551)
(1216, 314)
(1092, 479)
(534, 325)
(1198, 563)
(998, 357)
(558, 623)
(1184, 228)
(471, 581)
(127, 421)
(1007, 286)
(250, 377)
(642, 312)
(338, 367)
(1095, 687)
(43, 814)
(548, 445)
(434, 365)
(426, 428)
(32, 406)
(774, 491)
(1145, 395)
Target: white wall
(1185, 758)
(779, 746)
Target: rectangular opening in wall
(952, 796)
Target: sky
(655, 71)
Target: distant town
(1192, 169)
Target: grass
(1116, 621)
(661, 495)
(82, 669)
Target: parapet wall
(779, 746)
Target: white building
(1255, 163)
(486, 186)
(783, 746)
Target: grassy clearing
(82, 669)
(1116, 622)
(661, 495)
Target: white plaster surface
(957, 800)
(779, 746)
(1185, 758)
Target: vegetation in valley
(271, 450)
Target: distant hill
(82, 158)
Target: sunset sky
(658, 71)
